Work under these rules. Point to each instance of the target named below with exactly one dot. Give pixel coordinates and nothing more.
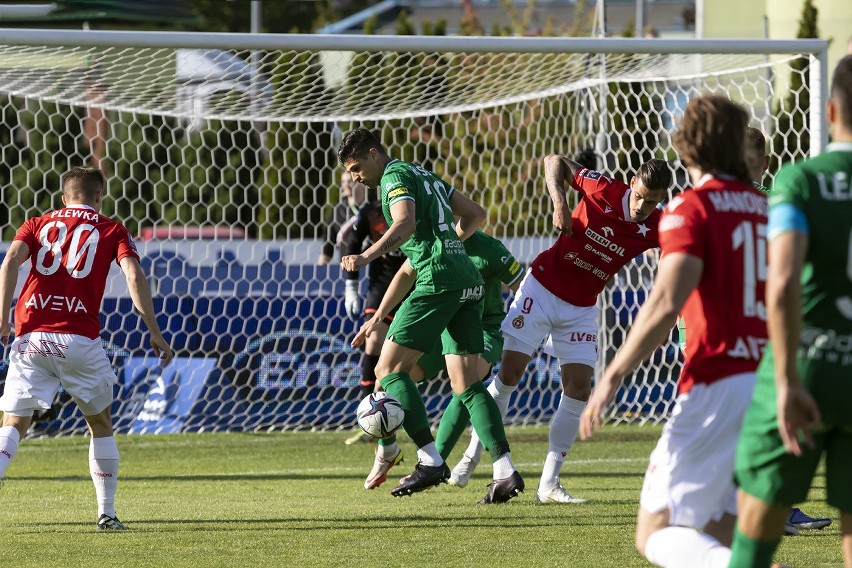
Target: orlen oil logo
(604, 241)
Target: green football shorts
(451, 320)
(765, 470)
(434, 362)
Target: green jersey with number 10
(434, 250)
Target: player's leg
(688, 480)
(454, 422)
(463, 342)
(415, 330)
(29, 386)
(103, 467)
(369, 360)
(14, 429)
(574, 342)
(87, 376)
(576, 386)
(846, 532)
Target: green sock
(389, 441)
(749, 553)
(453, 423)
(486, 419)
(416, 423)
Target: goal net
(220, 153)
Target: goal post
(220, 153)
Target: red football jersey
(71, 251)
(602, 241)
(722, 222)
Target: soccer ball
(380, 415)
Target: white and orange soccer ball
(380, 415)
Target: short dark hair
(356, 144)
(655, 174)
(756, 140)
(82, 182)
(841, 89)
(712, 136)
(587, 158)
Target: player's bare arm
(398, 288)
(402, 228)
(140, 293)
(677, 275)
(17, 254)
(797, 410)
(559, 170)
(469, 213)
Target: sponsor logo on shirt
(397, 192)
(604, 256)
(518, 322)
(55, 303)
(591, 268)
(604, 241)
(592, 174)
(454, 246)
(515, 268)
(826, 345)
(571, 255)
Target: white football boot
(463, 470)
(555, 495)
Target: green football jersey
(434, 250)
(822, 189)
(497, 266)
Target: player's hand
(602, 395)
(162, 349)
(562, 220)
(366, 331)
(353, 262)
(5, 332)
(797, 412)
(352, 299)
(323, 259)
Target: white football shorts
(536, 313)
(691, 470)
(40, 361)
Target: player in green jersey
(444, 307)
(498, 267)
(803, 396)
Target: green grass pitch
(297, 499)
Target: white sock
(503, 467)
(563, 431)
(386, 452)
(103, 465)
(683, 547)
(428, 455)
(9, 438)
(501, 394)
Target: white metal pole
(640, 18)
(819, 96)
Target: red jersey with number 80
(722, 222)
(71, 251)
(602, 241)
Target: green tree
(792, 138)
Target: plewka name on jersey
(86, 214)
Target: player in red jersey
(612, 224)
(57, 330)
(713, 271)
